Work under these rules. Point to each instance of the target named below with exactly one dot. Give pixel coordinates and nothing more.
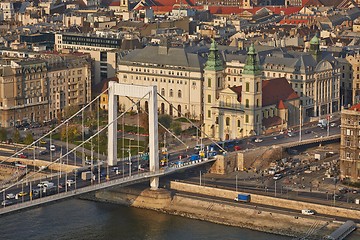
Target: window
(238, 123)
(163, 92)
(247, 87)
(247, 118)
(209, 114)
(247, 103)
(209, 98)
(179, 94)
(257, 87)
(209, 82)
(227, 121)
(171, 94)
(257, 102)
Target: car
(291, 134)
(332, 124)
(44, 152)
(277, 176)
(70, 182)
(10, 196)
(307, 131)
(6, 202)
(43, 142)
(21, 194)
(22, 155)
(258, 140)
(52, 148)
(307, 212)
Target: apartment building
(36, 90)
(24, 92)
(350, 143)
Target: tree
(3, 134)
(165, 120)
(72, 133)
(16, 136)
(176, 127)
(70, 110)
(29, 139)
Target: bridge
(148, 93)
(335, 137)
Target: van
(307, 212)
(52, 148)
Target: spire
(315, 46)
(252, 66)
(214, 61)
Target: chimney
(164, 45)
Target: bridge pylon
(136, 91)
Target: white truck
(323, 123)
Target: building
(177, 73)
(105, 48)
(7, 11)
(349, 146)
(249, 108)
(37, 90)
(24, 95)
(69, 83)
(354, 61)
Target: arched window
(227, 120)
(179, 94)
(238, 123)
(163, 92)
(171, 94)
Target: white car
(332, 124)
(70, 182)
(277, 176)
(52, 148)
(258, 140)
(10, 196)
(308, 212)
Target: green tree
(3, 134)
(72, 133)
(165, 120)
(16, 136)
(70, 110)
(29, 139)
(176, 127)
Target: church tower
(251, 94)
(212, 84)
(124, 5)
(315, 48)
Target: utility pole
(300, 123)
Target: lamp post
(236, 182)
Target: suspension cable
(74, 149)
(183, 115)
(164, 127)
(54, 129)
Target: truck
(243, 197)
(323, 123)
(194, 157)
(86, 175)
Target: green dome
(315, 40)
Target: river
(81, 219)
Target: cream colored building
(23, 92)
(350, 143)
(177, 73)
(354, 61)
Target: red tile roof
(237, 90)
(277, 89)
(281, 105)
(115, 3)
(172, 2)
(271, 121)
(355, 107)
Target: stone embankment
(195, 204)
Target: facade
(7, 12)
(69, 84)
(349, 146)
(177, 73)
(249, 108)
(24, 92)
(39, 90)
(354, 61)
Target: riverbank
(213, 209)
